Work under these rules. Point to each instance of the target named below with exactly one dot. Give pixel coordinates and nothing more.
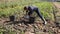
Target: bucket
(12, 18)
(29, 19)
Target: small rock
(59, 30)
(30, 25)
(19, 24)
(35, 26)
(32, 30)
(54, 29)
(28, 33)
(50, 27)
(58, 33)
(37, 21)
(44, 30)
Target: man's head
(25, 8)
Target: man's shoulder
(33, 6)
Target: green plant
(15, 7)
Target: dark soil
(30, 28)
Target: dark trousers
(38, 13)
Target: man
(32, 9)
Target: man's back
(32, 7)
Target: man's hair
(25, 8)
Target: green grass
(46, 8)
(17, 7)
(6, 8)
(9, 8)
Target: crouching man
(32, 9)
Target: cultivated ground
(37, 27)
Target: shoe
(45, 22)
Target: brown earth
(34, 28)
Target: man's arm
(25, 11)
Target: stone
(19, 24)
(28, 33)
(59, 30)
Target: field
(11, 8)
(15, 7)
